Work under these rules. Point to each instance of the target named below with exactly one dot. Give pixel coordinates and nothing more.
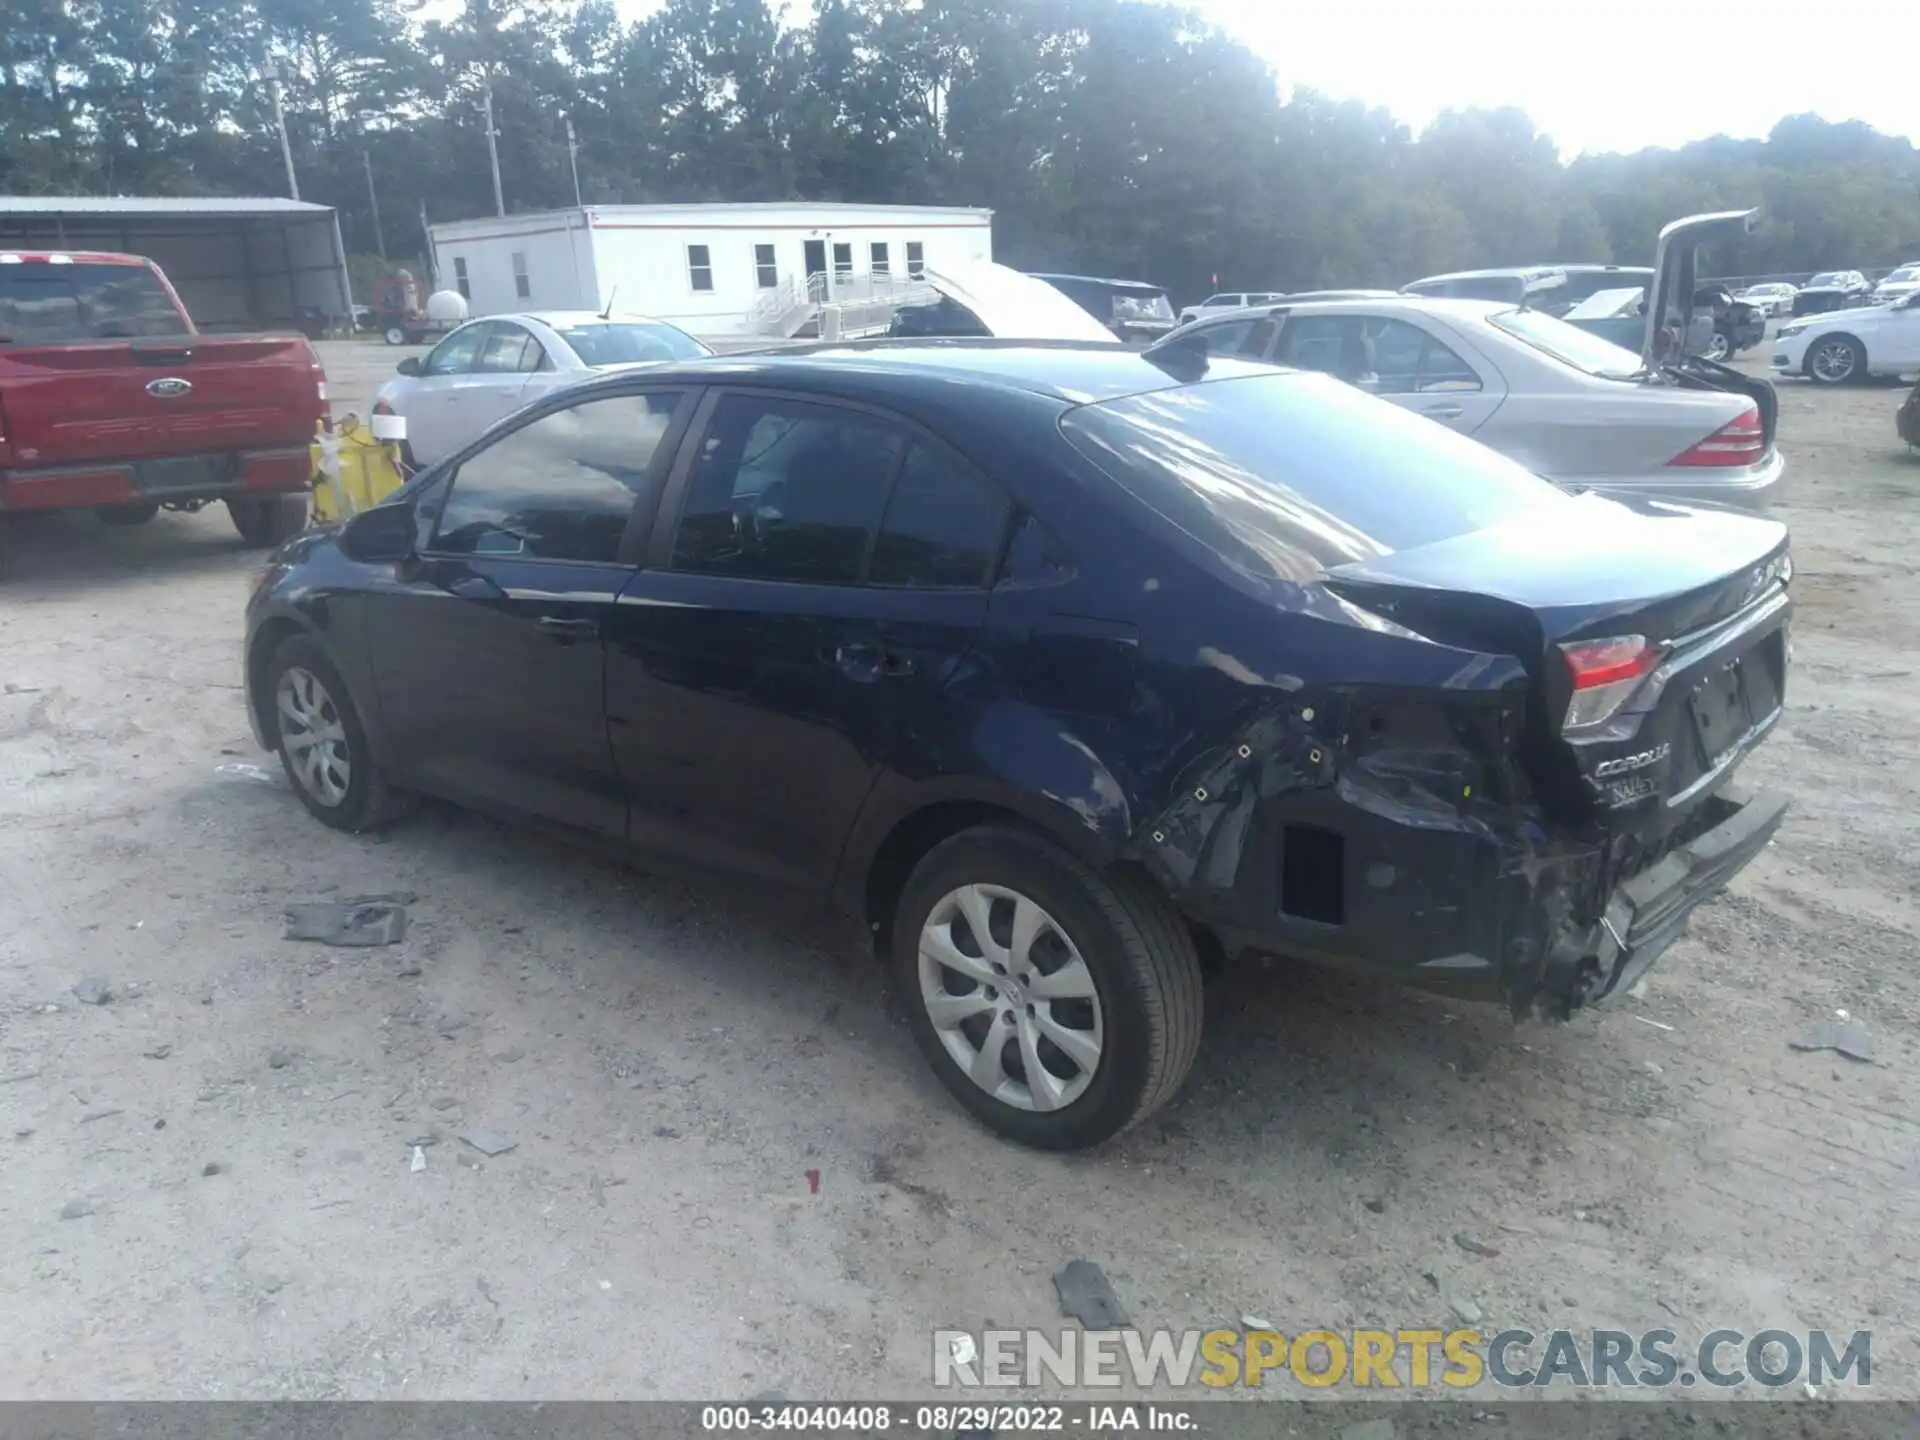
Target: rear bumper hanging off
(1648, 912)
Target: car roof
(1067, 372)
(567, 319)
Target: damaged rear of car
(1483, 735)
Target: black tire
(368, 803)
(1825, 375)
(137, 513)
(269, 519)
(1136, 946)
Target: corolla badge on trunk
(1626, 763)
(169, 387)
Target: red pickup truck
(111, 400)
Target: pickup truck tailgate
(129, 400)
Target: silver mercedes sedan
(1578, 410)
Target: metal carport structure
(239, 262)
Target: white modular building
(710, 269)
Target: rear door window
(787, 489)
(1407, 360)
(942, 527)
(1281, 476)
(47, 304)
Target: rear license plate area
(1734, 698)
(185, 474)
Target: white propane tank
(448, 307)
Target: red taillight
(1604, 674)
(1740, 442)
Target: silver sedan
(1572, 407)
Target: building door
(816, 265)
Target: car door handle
(1442, 412)
(561, 628)
(865, 658)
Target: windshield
(1902, 275)
(1829, 277)
(1282, 476)
(1569, 344)
(615, 343)
(46, 304)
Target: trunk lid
(1012, 305)
(120, 400)
(1676, 268)
(1708, 593)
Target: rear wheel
(394, 335)
(1059, 1004)
(137, 513)
(1836, 359)
(268, 519)
(1719, 346)
(322, 743)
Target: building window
(460, 277)
(521, 286)
(916, 259)
(842, 262)
(700, 267)
(877, 257)
(765, 273)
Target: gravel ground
(674, 1056)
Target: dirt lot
(672, 1061)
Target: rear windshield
(1282, 476)
(47, 304)
(1569, 344)
(618, 344)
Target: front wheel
(1836, 359)
(1718, 347)
(269, 519)
(1059, 1004)
(322, 742)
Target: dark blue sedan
(1067, 672)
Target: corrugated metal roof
(235, 207)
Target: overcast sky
(1589, 72)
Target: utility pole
(493, 147)
(573, 159)
(271, 75)
(373, 200)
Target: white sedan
(489, 368)
(1770, 299)
(1844, 345)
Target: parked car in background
(1228, 300)
(1898, 284)
(1772, 297)
(487, 369)
(112, 401)
(1831, 290)
(1055, 670)
(1132, 309)
(1849, 345)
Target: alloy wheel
(314, 735)
(1718, 347)
(1010, 998)
(1832, 361)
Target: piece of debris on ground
(1086, 1294)
(352, 924)
(1842, 1034)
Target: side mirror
(409, 367)
(384, 535)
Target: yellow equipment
(356, 466)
